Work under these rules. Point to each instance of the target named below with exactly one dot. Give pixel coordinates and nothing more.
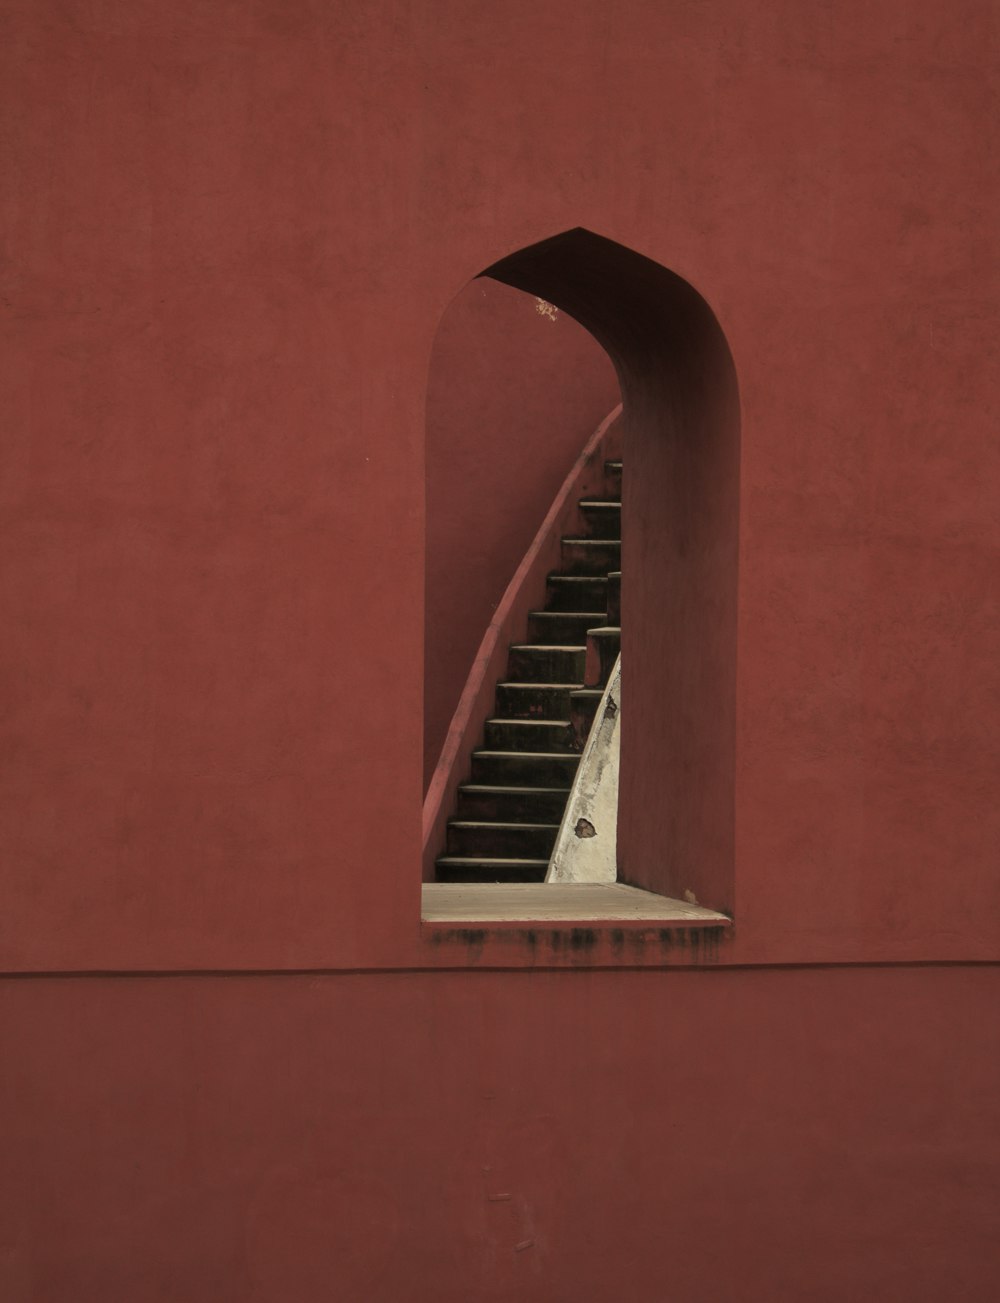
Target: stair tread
(489, 859)
(522, 683)
(529, 723)
(606, 628)
(570, 615)
(479, 788)
(505, 825)
(592, 542)
(547, 647)
(528, 755)
(600, 502)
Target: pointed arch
(680, 535)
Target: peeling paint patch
(584, 828)
(546, 309)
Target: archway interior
(515, 388)
(679, 554)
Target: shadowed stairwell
(508, 813)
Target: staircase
(509, 811)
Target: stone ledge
(553, 902)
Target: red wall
(803, 1136)
(513, 396)
(231, 234)
(216, 396)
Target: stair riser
(512, 807)
(527, 701)
(602, 652)
(524, 770)
(489, 873)
(613, 481)
(514, 735)
(546, 664)
(576, 594)
(504, 840)
(602, 521)
(558, 626)
(582, 709)
(593, 558)
(615, 598)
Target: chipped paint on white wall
(587, 845)
(546, 309)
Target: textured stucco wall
(231, 233)
(232, 238)
(795, 1135)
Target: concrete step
(563, 626)
(467, 868)
(613, 479)
(511, 804)
(524, 768)
(615, 597)
(591, 556)
(603, 646)
(506, 840)
(533, 700)
(530, 735)
(602, 517)
(577, 593)
(541, 663)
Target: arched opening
(679, 553)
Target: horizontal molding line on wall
(153, 974)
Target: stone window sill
(451, 904)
